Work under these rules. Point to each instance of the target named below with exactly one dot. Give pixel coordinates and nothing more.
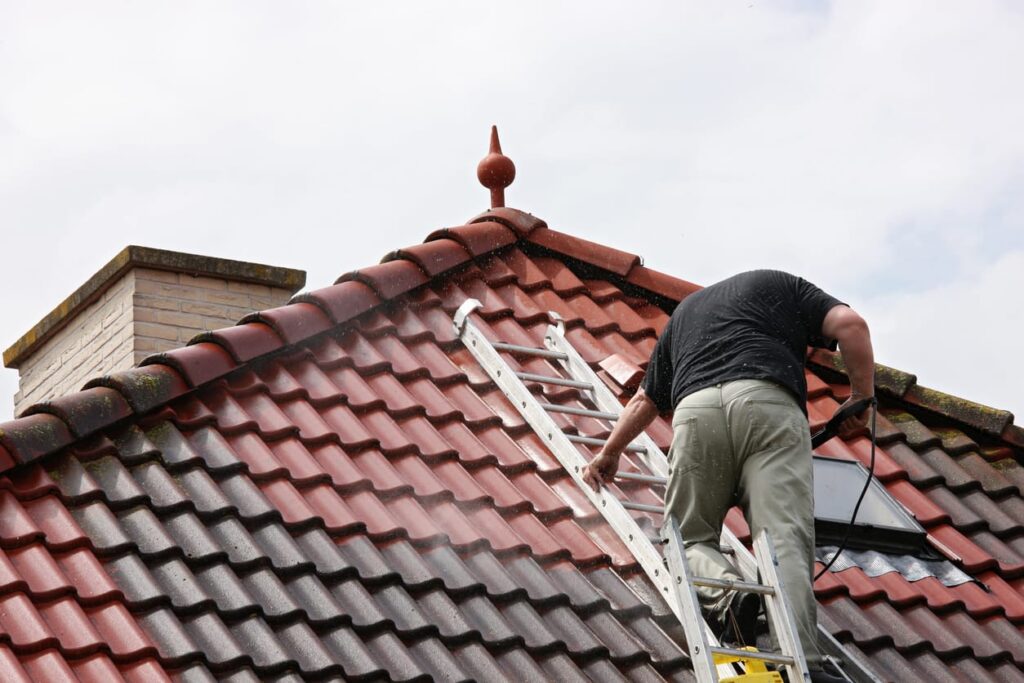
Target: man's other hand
(601, 469)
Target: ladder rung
(647, 478)
(591, 441)
(570, 410)
(774, 657)
(529, 350)
(741, 586)
(642, 507)
(560, 381)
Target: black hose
(856, 508)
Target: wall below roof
(145, 311)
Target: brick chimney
(142, 302)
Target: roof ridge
(50, 426)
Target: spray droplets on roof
(496, 171)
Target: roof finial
(496, 171)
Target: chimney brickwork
(143, 302)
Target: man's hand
(851, 425)
(601, 469)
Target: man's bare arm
(848, 328)
(638, 413)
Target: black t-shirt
(754, 325)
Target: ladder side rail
(780, 611)
(603, 397)
(687, 604)
(568, 454)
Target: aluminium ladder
(711, 662)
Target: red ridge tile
(342, 302)
(198, 364)
(667, 286)
(433, 257)
(388, 280)
(521, 222)
(30, 438)
(292, 322)
(479, 238)
(144, 388)
(243, 342)
(86, 411)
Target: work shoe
(739, 624)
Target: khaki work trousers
(746, 443)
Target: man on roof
(730, 365)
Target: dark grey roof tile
(268, 653)
(620, 643)
(231, 535)
(519, 664)
(358, 603)
(214, 640)
(661, 646)
(446, 563)
(197, 673)
(559, 667)
(214, 450)
(133, 445)
(497, 577)
(444, 614)
(527, 573)
(204, 492)
(146, 531)
(172, 641)
(99, 523)
(479, 665)
(314, 598)
(581, 593)
(180, 585)
(247, 498)
(397, 606)
(267, 590)
(174, 450)
(355, 656)
(220, 582)
(603, 670)
(192, 536)
(135, 581)
(119, 487)
(316, 546)
(312, 653)
(397, 656)
(360, 552)
(619, 594)
(163, 492)
(279, 545)
(568, 628)
(410, 564)
(529, 626)
(436, 661)
(74, 481)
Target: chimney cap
(134, 256)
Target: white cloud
(869, 146)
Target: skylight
(882, 523)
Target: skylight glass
(882, 523)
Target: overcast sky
(877, 148)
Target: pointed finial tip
(496, 171)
